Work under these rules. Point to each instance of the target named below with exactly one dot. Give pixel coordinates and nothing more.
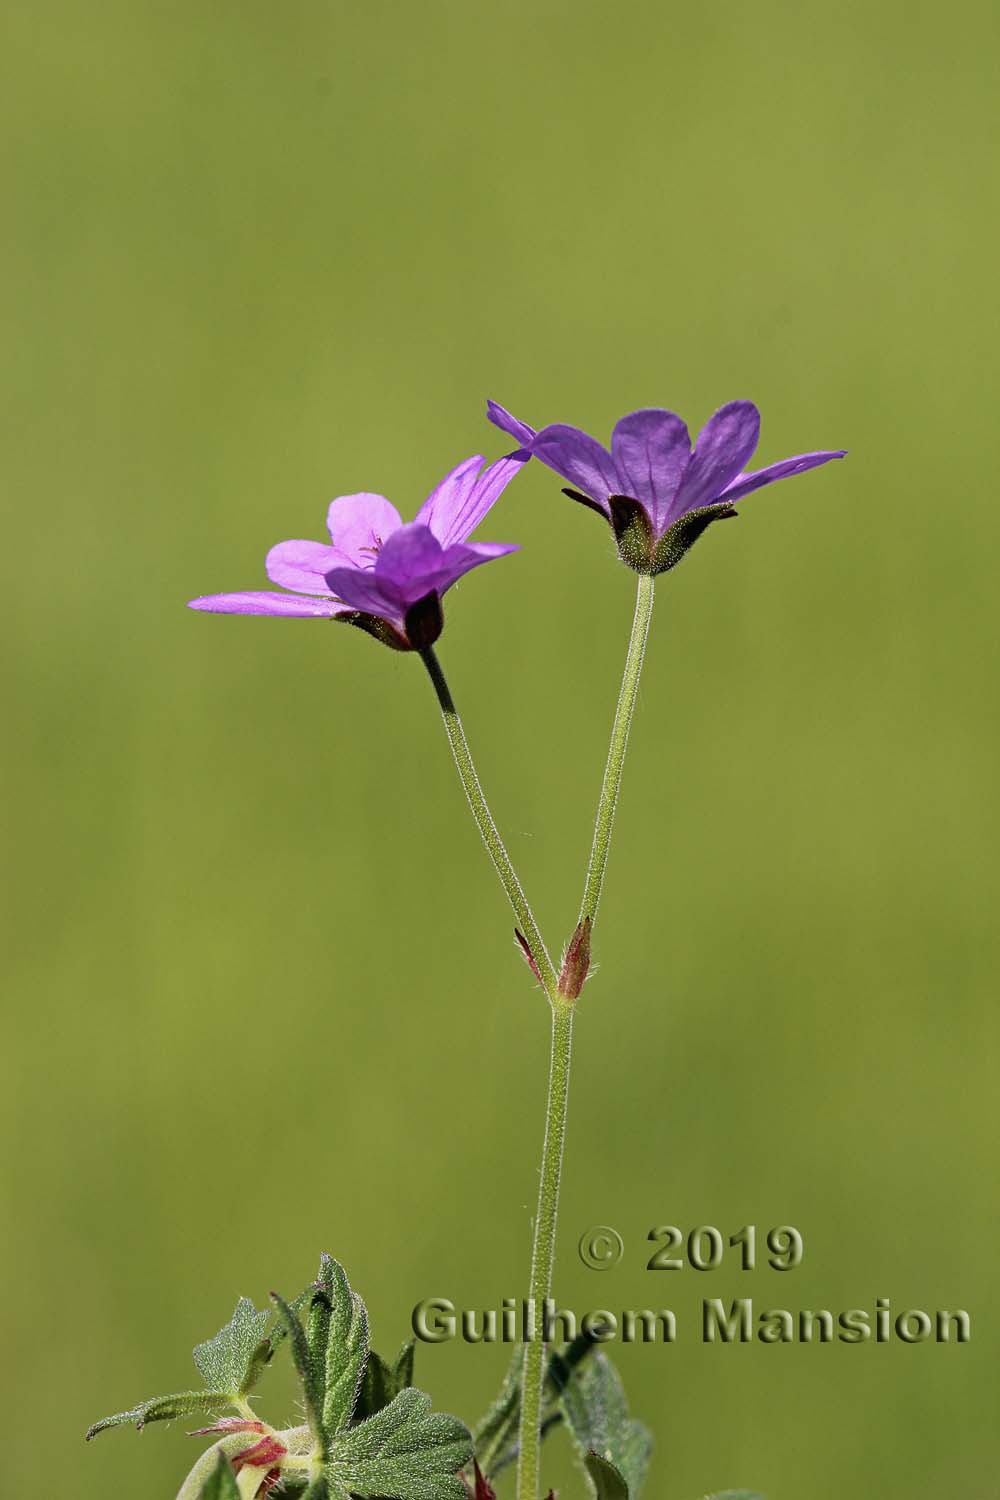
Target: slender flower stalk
(563, 1004)
(546, 1217)
(496, 848)
(543, 1249)
(616, 750)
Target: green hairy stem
(616, 751)
(546, 1217)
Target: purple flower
(658, 493)
(379, 574)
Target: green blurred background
(262, 995)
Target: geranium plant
(368, 1431)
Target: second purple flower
(658, 492)
(379, 573)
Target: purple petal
(261, 602)
(455, 508)
(450, 498)
(461, 558)
(359, 524)
(580, 459)
(744, 484)
(724, 444)
(406, 569)
(651, 450)
(302, 566)
(519, 431)
(360, 589)
(409, 565)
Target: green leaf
(227, 1360)
(606, 1479)
(382, 1382)
(497, 1433)
(308, 1372)
(221, 1483)
(163, 1409)
(497, 1430)
(205, 1465)
(318, 1320)
(405, 1451)
(597, 1413)
(346, 1353)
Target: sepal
(376, 627)
(424, 621)
(633, 532)
(678, 539)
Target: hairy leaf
(496, 1436)
(597, 1413)
(318, 1321)
(346, 1353)
(606, 1479)
(382, 1382)
(496, 1433)
(226, 1360)
(205, 1464)
(163, 1409)
(221, 1483)
(405, 1451)
(312, 1388)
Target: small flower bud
(263, 1455)
(576, 962)
(529, 957)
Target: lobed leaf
(346, 1352)
(497, 1434)
(226, 1361)
(318, 1321)
(163, 1409)
(404, 1451)
(597, 1413)
(308, 1373)
(382, 1382)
